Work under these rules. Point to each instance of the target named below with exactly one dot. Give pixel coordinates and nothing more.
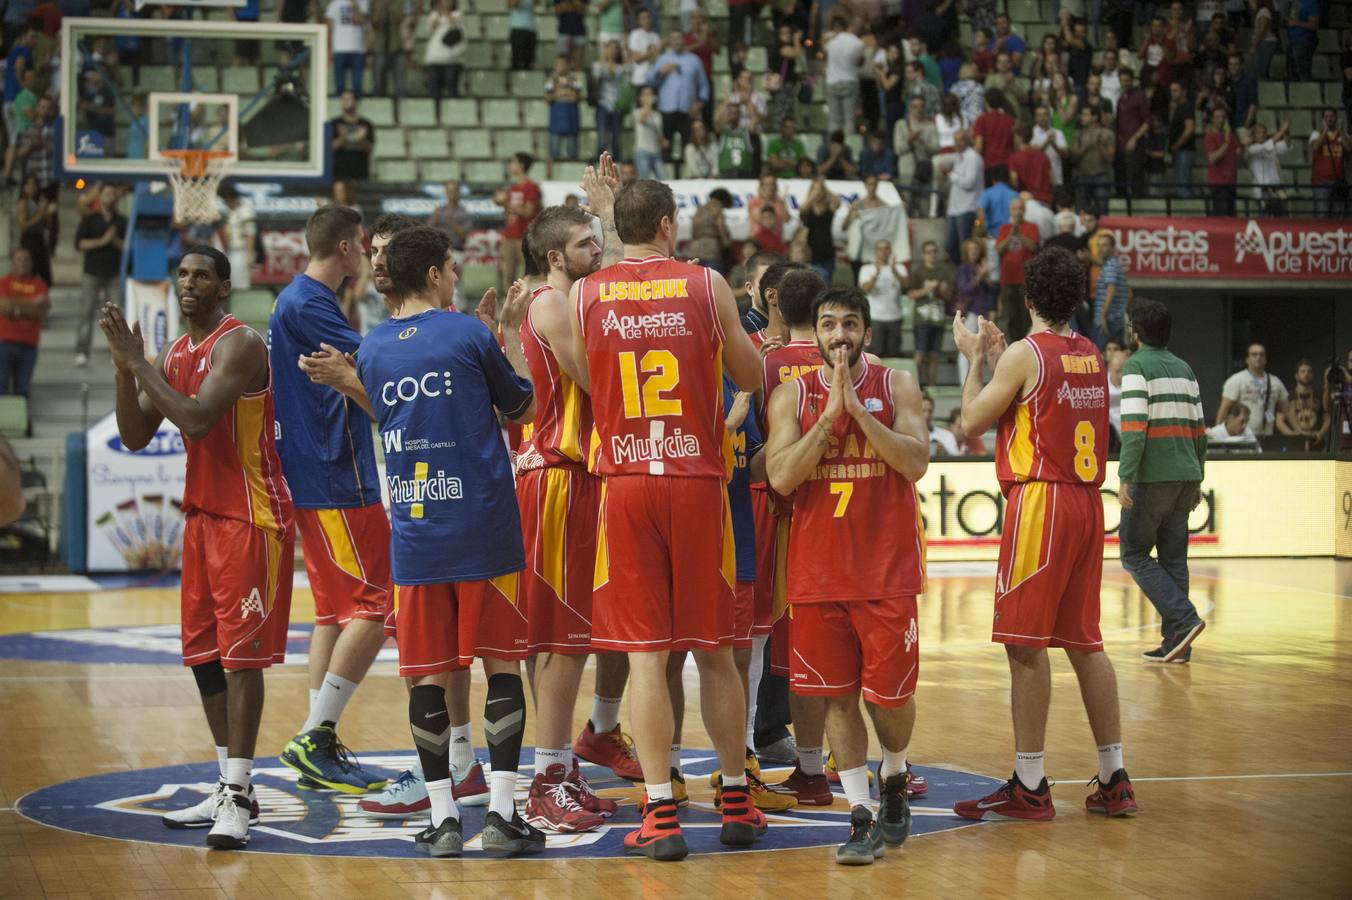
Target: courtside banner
(1233, 248)
(964, 511)
(135, 517)
(155, 305)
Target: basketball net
(194, 176)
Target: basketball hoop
(194, 176)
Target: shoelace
(580, 783)
(405, 782)
(626, 744)
(347, 761)
(566, 801)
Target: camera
(1335, 376)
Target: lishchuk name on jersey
(1093, 397)
(656, 289)
(627, 448)
(652, 325)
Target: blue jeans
(1330, 200)
(563, 146)
(959, 230)
(1183, 173)
(1300, 58)
(649, 165)
(1091, 191)
(1159, 519)
(17, 362)
(1117, 328)
(608, 125)
(827, 270)
(347, 65)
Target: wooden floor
(1242, 761)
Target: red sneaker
(472, 790)
(916, 785)
(587, 798)
(612, 749)
(659, 837)
(811, 790)
(1116, 798)
(743, 823)
(1010, 800)
(551, 806)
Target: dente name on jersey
(626, 448)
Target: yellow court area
(1241, 760)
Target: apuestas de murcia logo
(651, 325)
(628, 448)
(1296, 251)
(1164, 250)
(1082, 397)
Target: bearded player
(656, 335)
(1049, 392)
(215, 384)
(848, 443)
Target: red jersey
(563, 415)
(856, 532)
(23, 291)
(1059, 430)
(788, 363)
(518, 194)
(655, 355)
(234, 471)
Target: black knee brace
(210, 678)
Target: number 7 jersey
(1059, 430)
(655, 357)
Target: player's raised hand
(610, 173)
(850, 398)
(741, 405)
(969, 342)
(487, 310)
(994, 340)
(126, 344)
(600, 195)
(835, 399)
(770, 346)
(517, 304)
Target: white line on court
(1246, 777)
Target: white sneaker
(231, 831)
(81, 360)
(198, 816)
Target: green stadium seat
(478, 55)
(488, 84)
(439, 170)
(902, 365)
(811, 141)
(380, 110)
(461, 112)
(526, 85)
(418, 111)
(1025, 11)
(546, 30)
(206, 79)
(1277, 68)
(428, 143)
(253, 307)
(13, 416)
(1302, 123)
(471, 143)
(473, 25)
(856, 144)
(489, 174)
(397, 170)
(502, 114)
(1271, 94)
(1268, 117)
(390, 144)
(239, 80)
(497, 28)
(1194, 207)
(1333, 94)
(476, 279)
(757, 60)
(535, 113)
(514, 140)
(1323, 68)
(1306, 95)
(158, 78)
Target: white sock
(443, 803)
(605, 714)
(239, 771)
(738, 780)
(314, 695)
(855, 783)
(333, 697)
(1110, 760)
(810, 760)
(894, 763)
(462, 749)
(753, 680)
(502, 793)
(660, 791)
(222, 754)
(545, 758)
(676, 758)
(1029, 769)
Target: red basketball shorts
(1051, 567)
(871, 646)
(558, 522)
(772, 555)
(347, 556)
(780, 643)
(443, 627)
(743, 612)
(665, 565)
(236, 593)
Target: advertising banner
(135, 500)
(155, 305)
(1233, 248)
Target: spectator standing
(610, 74)
(1079, 51)
(1302, 35)
(709, 235)
(1093, 152)
(1262, 392)
(965, 182)
(34, 153)
(644, 45)
(971, 93)
(1329, 144)
(682, 90)
(610, 21)
(1052, 141)
(18, 60)
(701, 40)
(563, 93)
(1306, 415)
(736, 148)
(1182, 137)
(741, 21)
(442, 60)
(782, 153)
(878, 158)
(1263, 154)
(942, 441)
(817, 215)
(1016, 242)
(765, 232)
(994, 206)
(930, 288)
(571, 41)
(33, 212)
(354, 140)
(1243, 93)
(1006, 41)
(393, 24)
(347, 43)
(1264, 43)
(453, 220)
(1029, 169)
(701, 154)
(1133, 124)
(1163, 458)
(973, 292)
(1007, 81)
(1111, 293)
(835, 160)
(916, 140)
(919, 86)
(240, 236)
(1222, 164)
(648, 137)
(520, 201)
(844, 57)
(98, 105)
(522, 33)
(24, 305)
(99, 237)
(993, 137)
(884, 280)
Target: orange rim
(193, 163)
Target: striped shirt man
(1163, 430)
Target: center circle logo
(127, 806)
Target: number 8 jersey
(655, 357)
(1059, 430)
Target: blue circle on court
(127, 806)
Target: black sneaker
(1157, 655)
(1181, 649)
(504, 838)
(447, 839)
(866, 840)
(894, 811)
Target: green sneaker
(894, 813)
(318, 755)
(866, 840)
